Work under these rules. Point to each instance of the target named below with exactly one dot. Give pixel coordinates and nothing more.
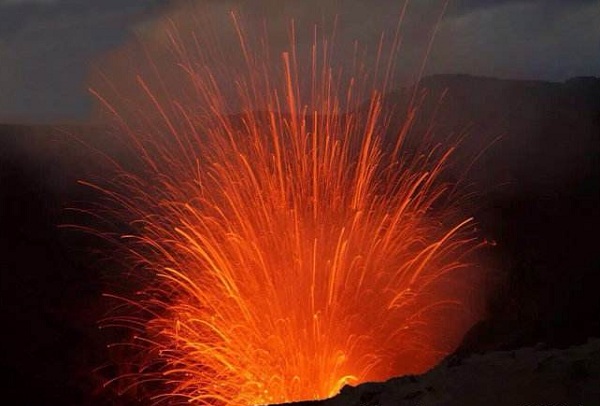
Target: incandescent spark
(288, 249)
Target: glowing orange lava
(288, 249)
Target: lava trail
(280, 242)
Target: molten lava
(285, 250)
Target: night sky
(46, 45)
(536, 188)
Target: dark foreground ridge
(528, 376)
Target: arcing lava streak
(288, 249)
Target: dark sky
(46, 45)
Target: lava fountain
(288, 249)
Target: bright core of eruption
(288, 249)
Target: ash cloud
(46, 45)
(542, 40)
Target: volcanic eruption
(279, 243)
